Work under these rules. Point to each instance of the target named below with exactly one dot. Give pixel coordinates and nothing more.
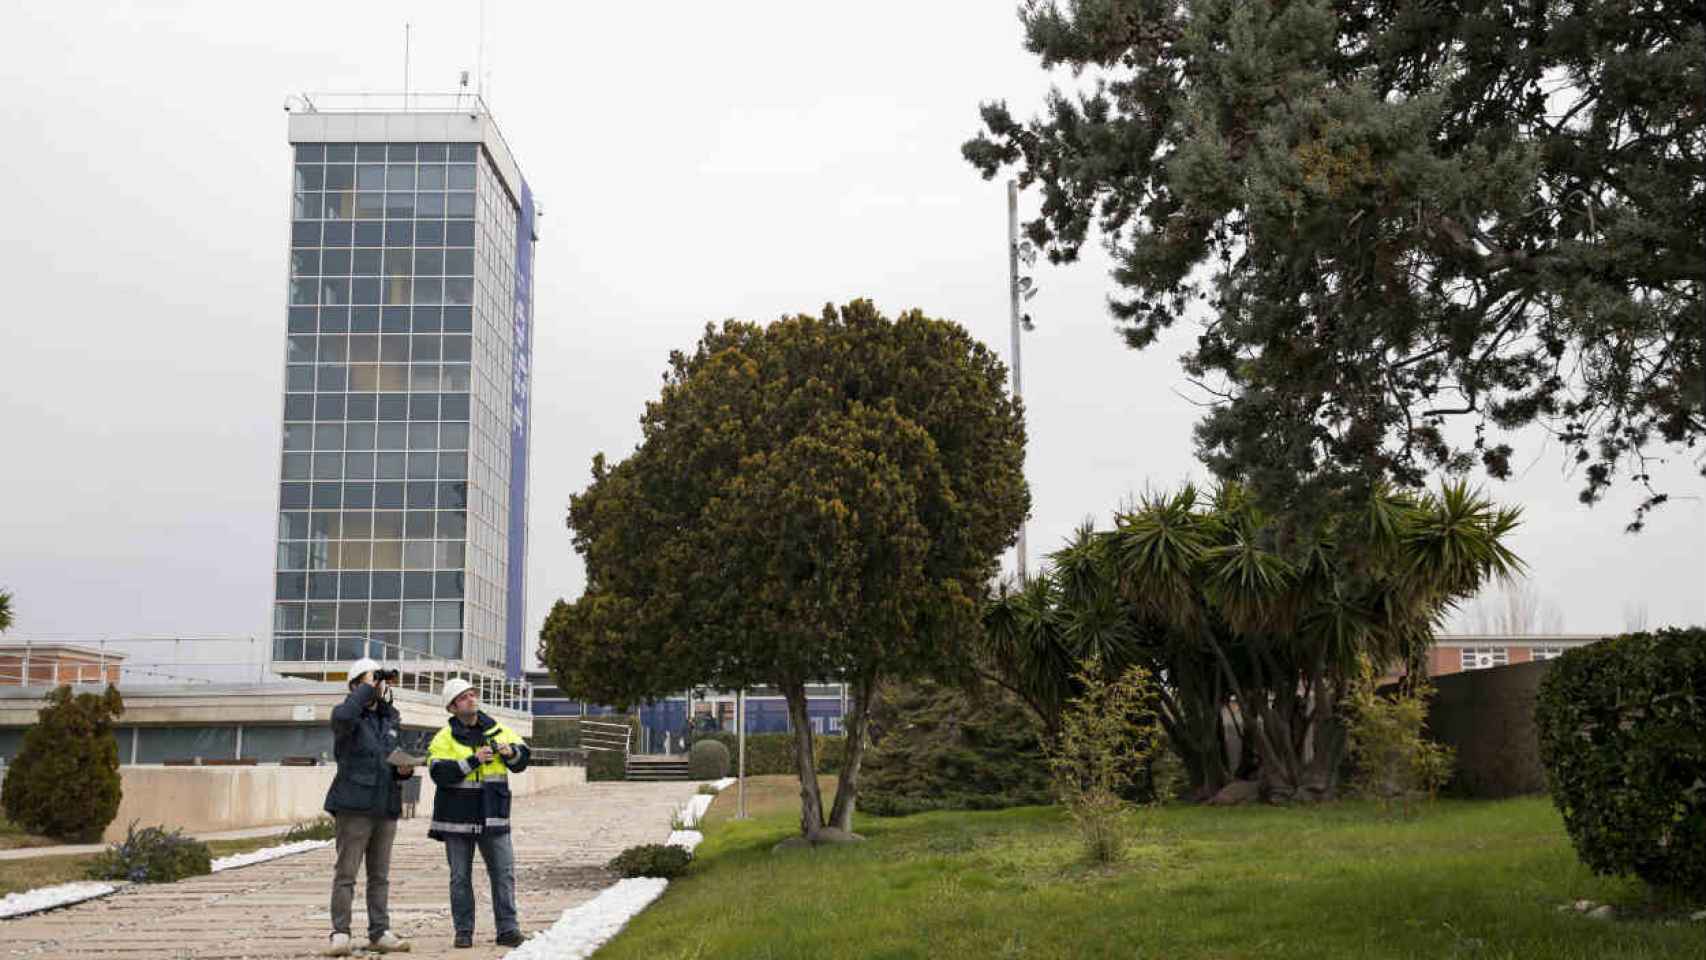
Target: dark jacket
(472, 798)
(361, 740)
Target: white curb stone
(268, 853)
(581, 930)
(46, 898)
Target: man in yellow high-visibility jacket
(471, 760)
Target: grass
(1465, 879)
(13, 837)
(17, 876)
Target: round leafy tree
(65, 781)
(1622, 728)
(822, 499)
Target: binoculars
(390, 676)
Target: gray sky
(695, 162)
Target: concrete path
(280, 908)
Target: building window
(1480, 658)
(1548, 653)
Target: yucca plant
(1249, 621)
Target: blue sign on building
(519, 398)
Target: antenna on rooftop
(480, 56)
(406, 38)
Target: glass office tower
(402, 511)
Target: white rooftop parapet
(403, 118)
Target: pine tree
(64, 782)
(1415, 227)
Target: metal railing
(389, 101)
(133, 662)
(607, 737)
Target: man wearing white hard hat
(471, 760)
(366, 798)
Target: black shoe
(512, 938)
(463, 941)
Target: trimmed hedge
(708, 760)
(64, 782)
(773, 753)
(1622, 727)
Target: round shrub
(64, 782)
(152, 855)
(651, 860)
(708, 760)
(1622, 727)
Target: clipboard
(400, 758)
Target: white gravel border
(47, 898)
(268, 853)
(685, 839)
(691, 811)
(581, 930)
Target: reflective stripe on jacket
(472, 798)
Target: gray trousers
(362, 837)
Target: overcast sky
(695, 162)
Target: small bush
(708, 760)
(152, 855)
(1392, 758)
(64, 782)
(651, 860)
(1622, 727)
(708, 790)
(944, 748)
(321, 828)
(1107, 736)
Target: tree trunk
(805, 759)
(1328, 743)
(847, 785)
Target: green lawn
(1465, 879)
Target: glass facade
(394, 473)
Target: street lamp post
(1014, 291)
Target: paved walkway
(280, 908)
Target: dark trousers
(500, 869)
(362, 837)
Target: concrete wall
(1488, 716)
(210, 799)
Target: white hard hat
(364, 665)
(454, 688)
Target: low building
(1454, 653)
(215, 723)
(25, 664)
